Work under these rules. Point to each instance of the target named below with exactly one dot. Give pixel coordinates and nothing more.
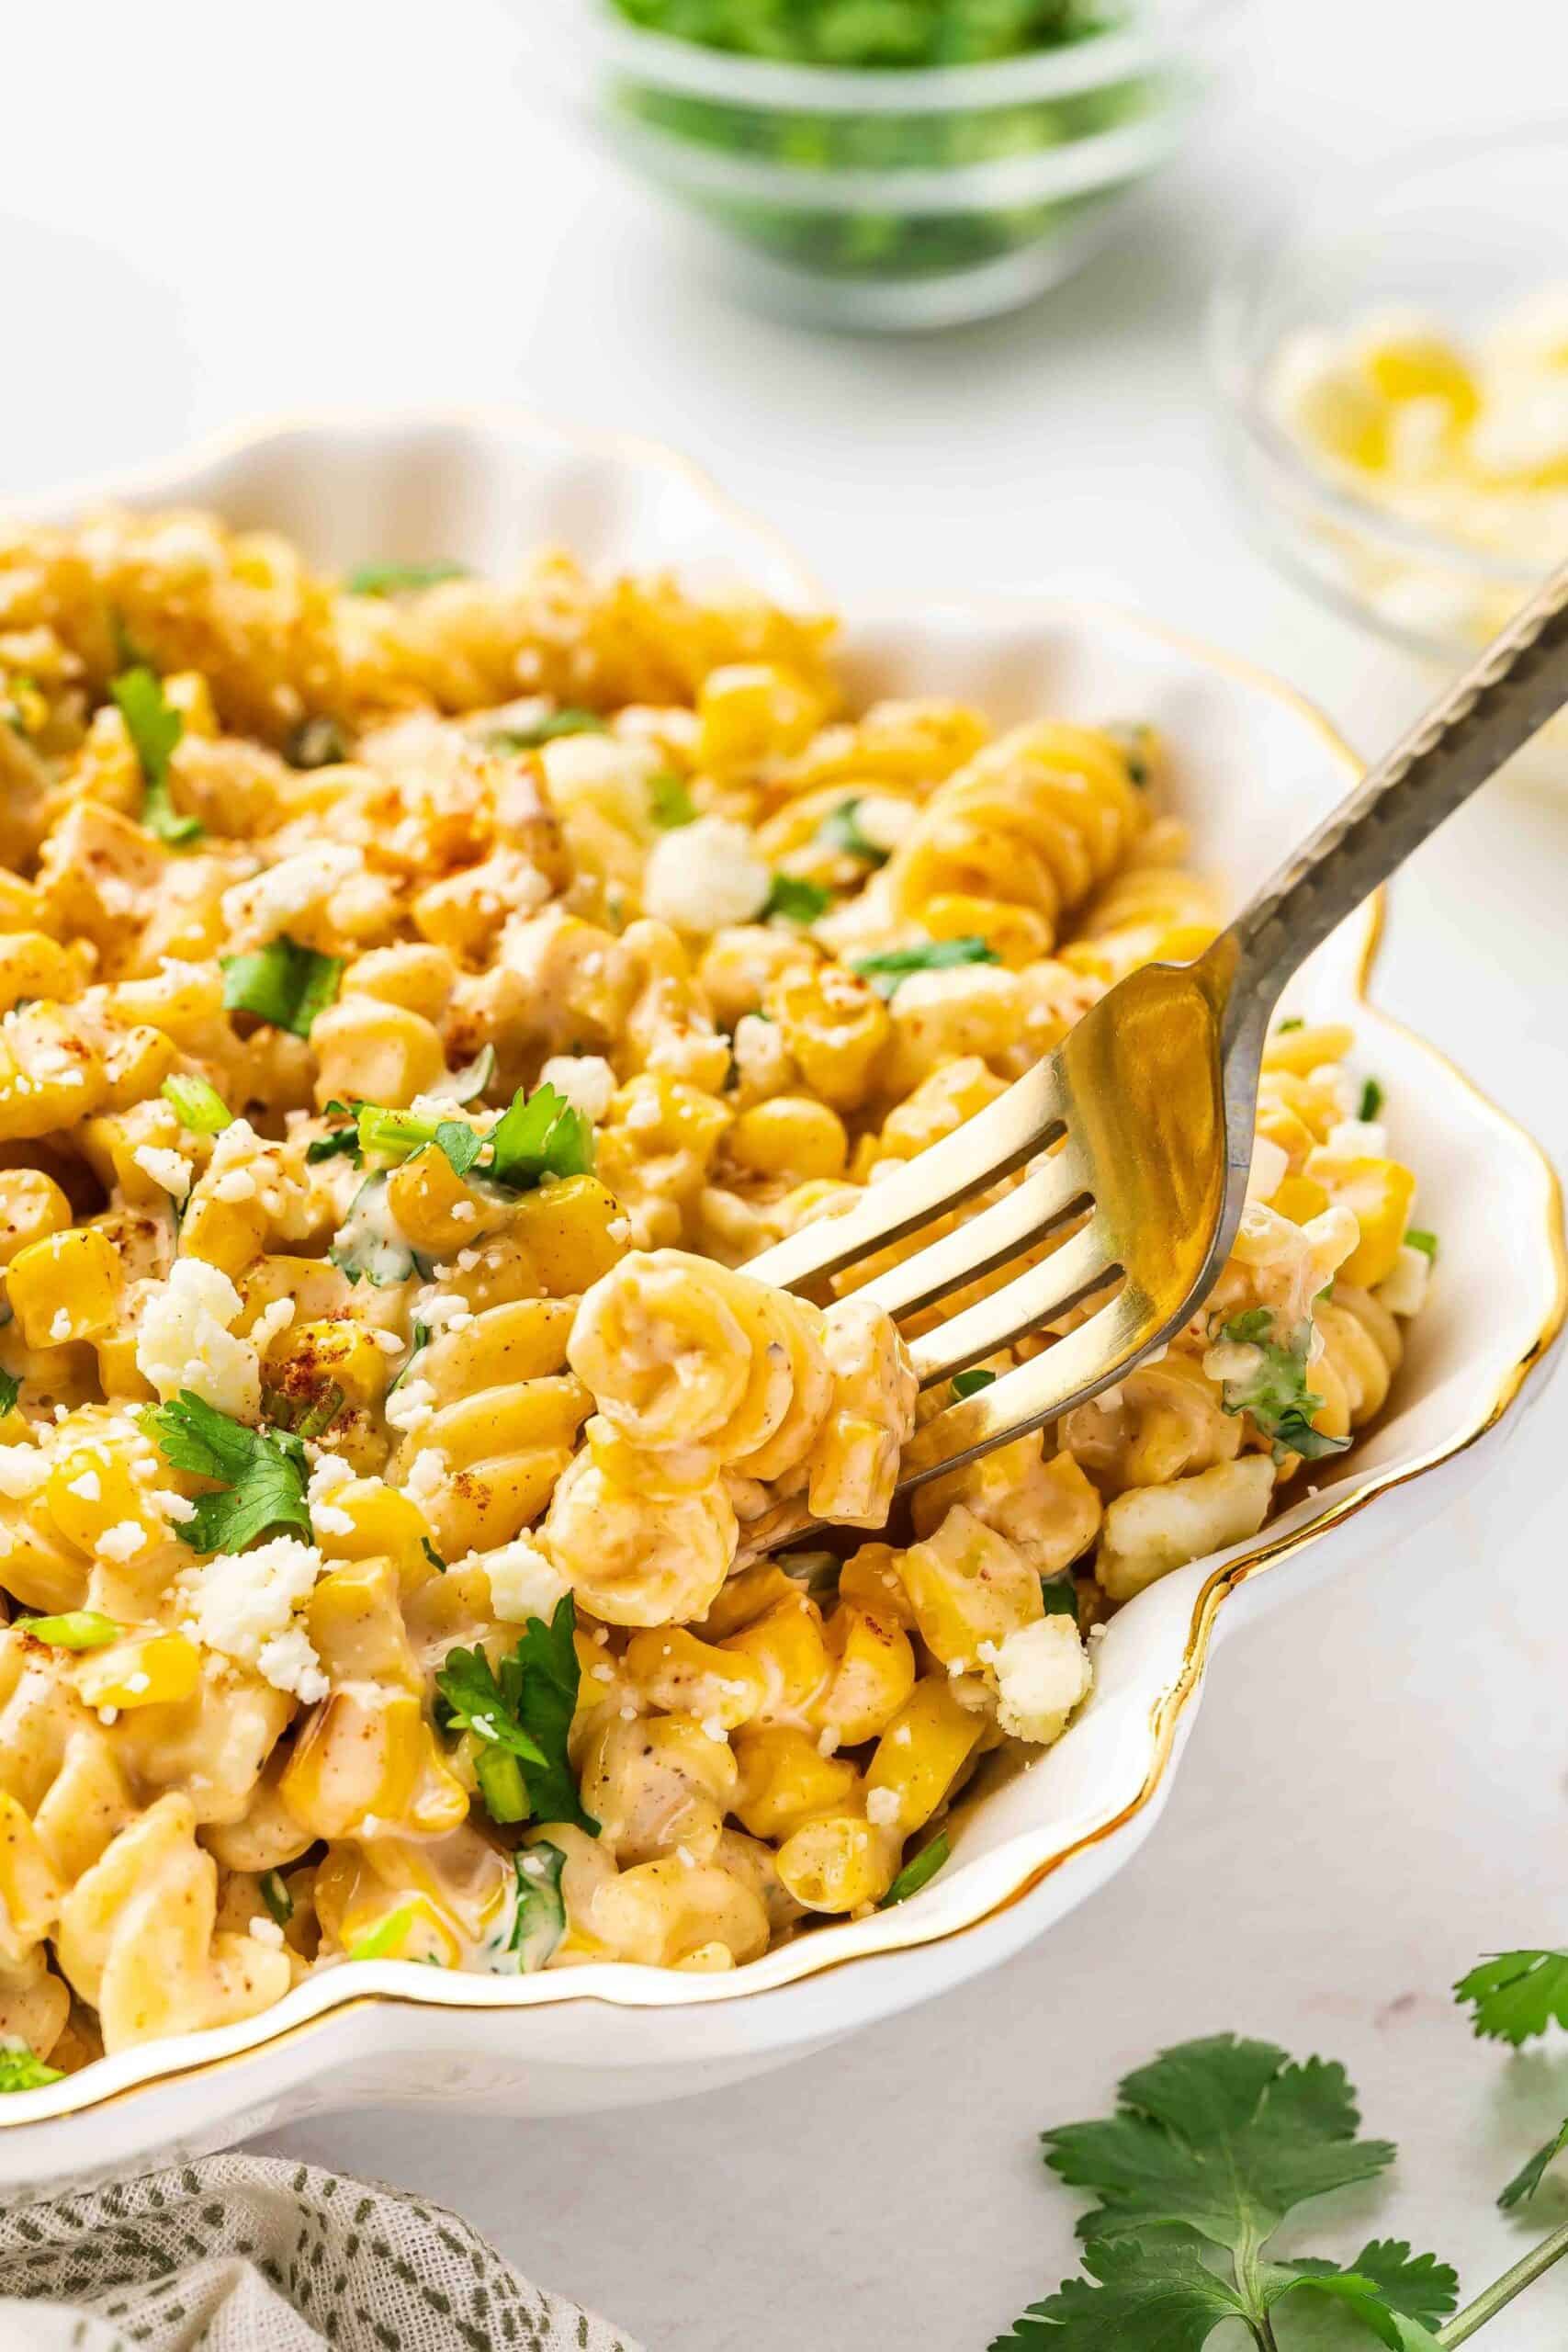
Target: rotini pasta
(419, 998)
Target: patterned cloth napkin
(246, 2254)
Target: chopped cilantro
(538, 1920)
(197, 1104)
(275, 1895)
(1415, 1238)
(522, 1714)
(918, 1873)
(21, 2071)
(1295, 1021)
(1060, 1596)
(1275, 1393)
(10, 1389)
(1371, 1100)
(401, 578)
(840, 830)
(888, 971)
(969, 1384)
(154, 726)
(368, 1245)
(539, 1136)
(261, 1472)
(669, 802)
(421, 1342)
(792, 900)
(1135, 741)
(468, 1085)
(432, 1555)
(317, 743)
(77, 1629)
(546, 731)
(283, 983)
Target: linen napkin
(250, 2254)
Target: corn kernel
(65, 1286)
(152, 1671)
(1381, 1193)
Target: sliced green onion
(198, 1105)
(77, 1629)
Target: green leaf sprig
(889, 971)
(154, 726)
(260, 1474)
(840, 830)
(282, 982)
(520, 1713)
(1275, 1393)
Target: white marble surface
(206, 211)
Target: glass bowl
(868, 198)
(1464, 234)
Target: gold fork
(1141, 1123)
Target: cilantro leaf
(840, 829)
(401, 578)
(1158, 2294)
(21, 2071)
(538, 1920)
(541, 1676)
(1221, 2136)
(1418, 2285)
(1532, 2172)
(283, 983)
(1275, 1393)
(794, 901)
(197, 1104)
(546, 731)
(154, 726)
(969, 1384)
(1383, 2283)
(524, 1712)
(889, 971)
(539, 1136)
(918, 1873)
(369, 1245)
(669, 802)
(1371, 1100)
(1514, 1995)
(10, 1389)
(477, 1703)
(1060, 1595)
(261, 1472)
(1283, 1027)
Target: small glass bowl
(1463, 232)
(891, 199)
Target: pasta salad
(421, 996)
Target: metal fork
(1140, 1125)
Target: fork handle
(1519, 684)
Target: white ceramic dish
(1253, 766)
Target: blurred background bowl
(876, 197)
(1464, 234)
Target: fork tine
(1032, 1298)
(1046, 1197)
(1087, 1359)
(992, 1145)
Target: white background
(208, 211)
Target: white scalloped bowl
(1253, 767)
